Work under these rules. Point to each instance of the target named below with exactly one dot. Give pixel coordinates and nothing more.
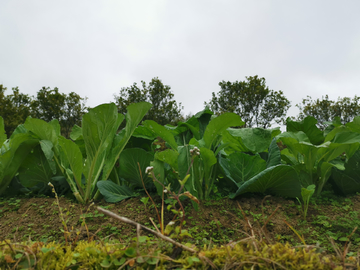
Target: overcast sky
(95, 48)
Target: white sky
(95, 48)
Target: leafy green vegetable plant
(127, 174)
(254, 174)
(145, 200)
(12, 153)
(314, 162)
(306, 194)
(249, 140)
(200, 131)
(38, 161)
(348, 181)
(175, 198)
(103, 146)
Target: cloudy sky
(95, 48)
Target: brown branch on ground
(133, 223)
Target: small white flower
(149, 169)
(165, 191)
(171, 223)
(195, 151)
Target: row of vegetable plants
(203, 154)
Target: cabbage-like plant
(201, 131)
(314, 155)
(103, 146)
(12, 153)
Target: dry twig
(133, 223)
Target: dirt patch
(216, 221)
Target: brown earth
(216, 221)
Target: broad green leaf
(56, 126)
(208, 160)
(18, 130)
(76, 133)
(221, 147)
(347, 137)
(293, 137)
(334, 150)
(306, 177)
(240, 167)
(190, 126)
(43, 130)
(194, 130)
(77, 137)
(274, 157)
(235, 144)
(304, 152)
(255, 139)
(330, 136)
(114, 193)
(71, 156)
(354, 125)
(348, 180)
(306, 193)
(275, 132)
(336, 122)
(99, 127)
(35, 169)
(159, 172)
(129, 168)
(218, 125)
(20, 146)
(338, 163)
(162, 132)
(144, 132)
(135, 113)
(46, 147)
(194, 142)
(3, 136)
(184, 161)
(205, 111)
(185, 137)
(168, 156)
(288, 157)
(331, 125)
(325, 172)
(280, 180)
(194, 183)
(203, 117)
(308, 126)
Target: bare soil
(217, 221)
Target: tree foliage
(252, 100)
(47, 105)
(165, 110)
(326, 110)
(14, 108)
(68, 109)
